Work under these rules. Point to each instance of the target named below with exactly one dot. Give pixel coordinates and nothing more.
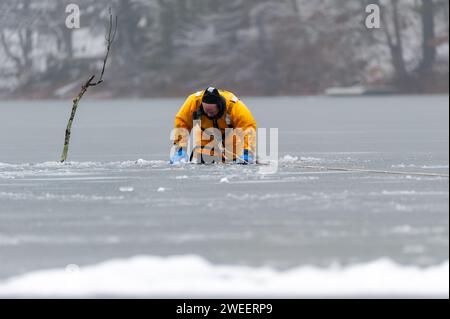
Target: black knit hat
(212, 96)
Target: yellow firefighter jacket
(236, 116)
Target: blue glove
(179, 157)
(246, 158)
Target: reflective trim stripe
(228, 119)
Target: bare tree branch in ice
(110, 37)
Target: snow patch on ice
(6, 165)
(402, 165)
(272, 196)
(311, 159)
(49, 165)
(190, 276)
(413, 193)
(63, 198)
(402, 208)
(11, 171)
(409, 230)
(289, 159)
(435, 166)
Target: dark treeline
(253, 47)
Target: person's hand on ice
(179, 157)
(246, 158)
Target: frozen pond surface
(119, 198)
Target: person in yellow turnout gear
(222, 128)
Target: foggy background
(251, 47)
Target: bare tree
(414, 79)
(428, 36)
(16, 38)
(110, 37)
